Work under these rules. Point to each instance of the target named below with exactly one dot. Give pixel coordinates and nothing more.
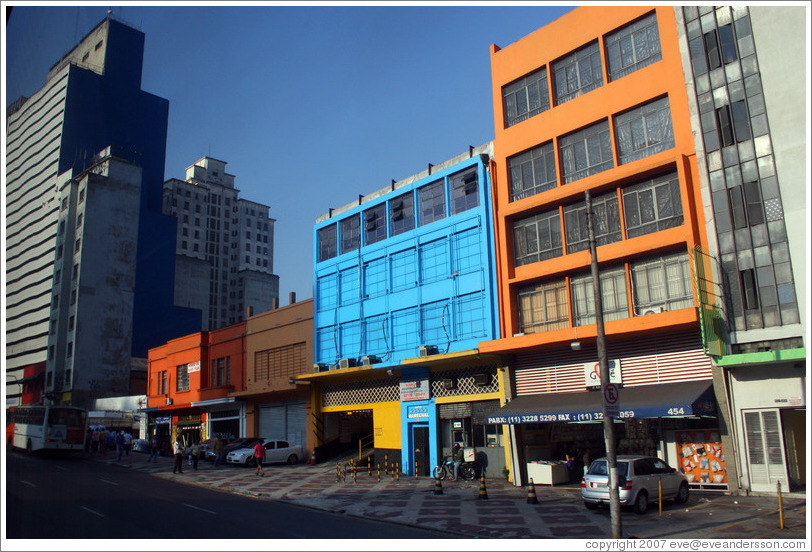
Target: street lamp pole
(603, 360)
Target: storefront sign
(416, 390)
(193, 367)
(592, 374)
(417, 412)
(163, 420)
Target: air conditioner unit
(319, 367)
(427, 350)
(449, 383)
(652, 310)
(481, 379)
(346, 363)
(369, 360)
(168, 401)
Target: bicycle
(467, 469)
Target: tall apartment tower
(224, 248)
(84, 166)
(746, 69)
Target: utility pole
(603, 360)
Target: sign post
(603, 359)
(611, 400)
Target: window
(749, 289)
(78, 244)
(526, 97)
(221, 372)
(532, 172)
(633, 47)
(464, 190)
(375, 224)
(73, 297)
(79, 219)
(163, 383)
(720, 46)
(537, 238)
(577, 73)
(71, 322)
(733, 123)
(745, 205)
(644, 131)
(81, 195)
(652, 205)
(586, 152)
(182, 380)
(662, 283)
(543, 307)
(613, 295)
(327, 238)
(401, 214)
(98, 45)
(403, 269)
(70, 350)
(350, 233)
(432, 202)
(605, 222)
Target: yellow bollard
(369, 466)
(397, 473)
(344, 473)
(416, 475)
(386, 464)
(338, 473)
(379, 473)
(780, 505)
(660, 485)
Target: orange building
(596, 101)
(278, 347)
(189, 381)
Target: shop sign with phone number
(563, 417)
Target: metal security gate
(765, 450)
(284, 420)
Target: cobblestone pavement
(499, 510)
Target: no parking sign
(611, 399)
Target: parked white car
(276, 451)
(639, 480)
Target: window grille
(532, 172)
(605, 221)
(543, 307)
(586, 152)
(537, 238)
(577, 73)
(526, 97)
(633, 47)
(644, 131)
(652, 205)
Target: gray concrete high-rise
(224, 261)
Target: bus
(55, 427)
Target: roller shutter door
(285, 421)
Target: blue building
(404, 292)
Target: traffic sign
(611, 399)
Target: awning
(665, 400)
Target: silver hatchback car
(638, 480)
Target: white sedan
(276, 451)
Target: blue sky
(310, 106)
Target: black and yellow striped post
(379, 473)
(416, 472)
(386, 464)
(369, 466)
(338, 472)
(438, 487)
(531, 493)
(397, 473)
(483, 492)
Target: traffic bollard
(531, 493)
(379, 473)
(438, 487)
(483, 492)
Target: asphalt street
(71, 498)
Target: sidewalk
(462, 511)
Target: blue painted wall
(433, 285)
(112, 110)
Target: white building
(224, 260)
(747, 70)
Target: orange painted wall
(202, 347)
(570, 32)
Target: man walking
(259, 455)
(178, 450)
(218, 452)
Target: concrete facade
(224, 261)
(759, 371)
(90, 103)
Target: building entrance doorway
(421, 449)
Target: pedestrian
(102, 441)
(259, 456)
(218, 452)
(128, 442)
(458, 456)
(178, 450)
(94, 440)
(153, 449)
(119, 445)
(88, 440)
(195, 455)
